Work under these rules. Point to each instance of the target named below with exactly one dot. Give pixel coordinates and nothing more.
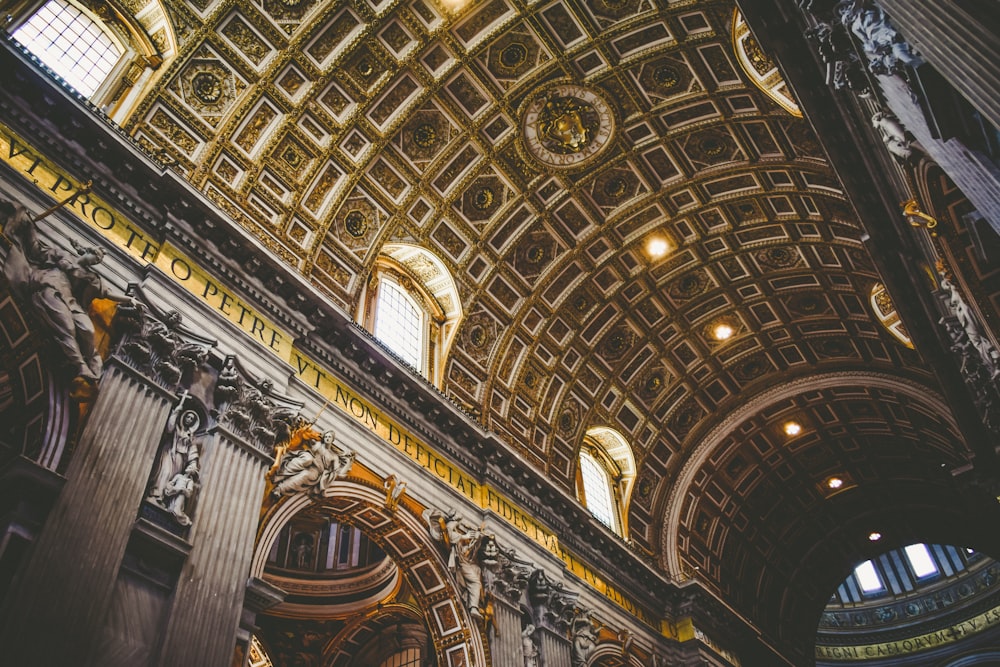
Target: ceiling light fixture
(453, 5)
(657, 247)
(874, 536)
(834, 482)
(722, 331)
(792, 428)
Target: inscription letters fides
(96, 213)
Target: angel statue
(312, 468)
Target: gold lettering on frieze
(190, 276)
(116, 228)
(909, 645)
(120, 231)
(88, 208)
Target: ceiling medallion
(567, 126)
(356, 224)
(424, 135)
(513, 55)
(666, 76)
(207, 87)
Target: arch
(403, 536)
(670, 558)
(759, 68)
(374, 651)
(425, 279)
(897, 446)
(609, 654)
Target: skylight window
(71, 43)
(920, 560)
(868, 577)
(399, 323)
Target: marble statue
(464, 542)
(529, 651)
(885, 47)
(626, 637)
(312, 468)
(583, 634)
(175, 479)
(893, 134)
(988, 354)
(60, 287)
(180, 491)
(394, 490)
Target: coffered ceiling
(536, 148)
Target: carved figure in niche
(60, 287)
(175, 480)
(893, 135)
(180, 491)
(528, 648)
(313, 468)
(583, 634)
(464, 542)
(960, 309)
(303, 551)
(394, 490)
(883, 44)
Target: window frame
(116, 65)
(613, 454)
(608, 490)
(419, 304)
(105, 89)
(141, 59)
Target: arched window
(597, 490)
(411, 305)
(109, 57)
(73, 44)
(605, 476)
(399, 323)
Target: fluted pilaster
(61, 600)
(555, 649)
(966, 50)
(209, 597)
(505, 646)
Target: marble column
(555, 648)
(505, 645)
(55, 613)
(965, 49)
(208, 601)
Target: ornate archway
(457, 639)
